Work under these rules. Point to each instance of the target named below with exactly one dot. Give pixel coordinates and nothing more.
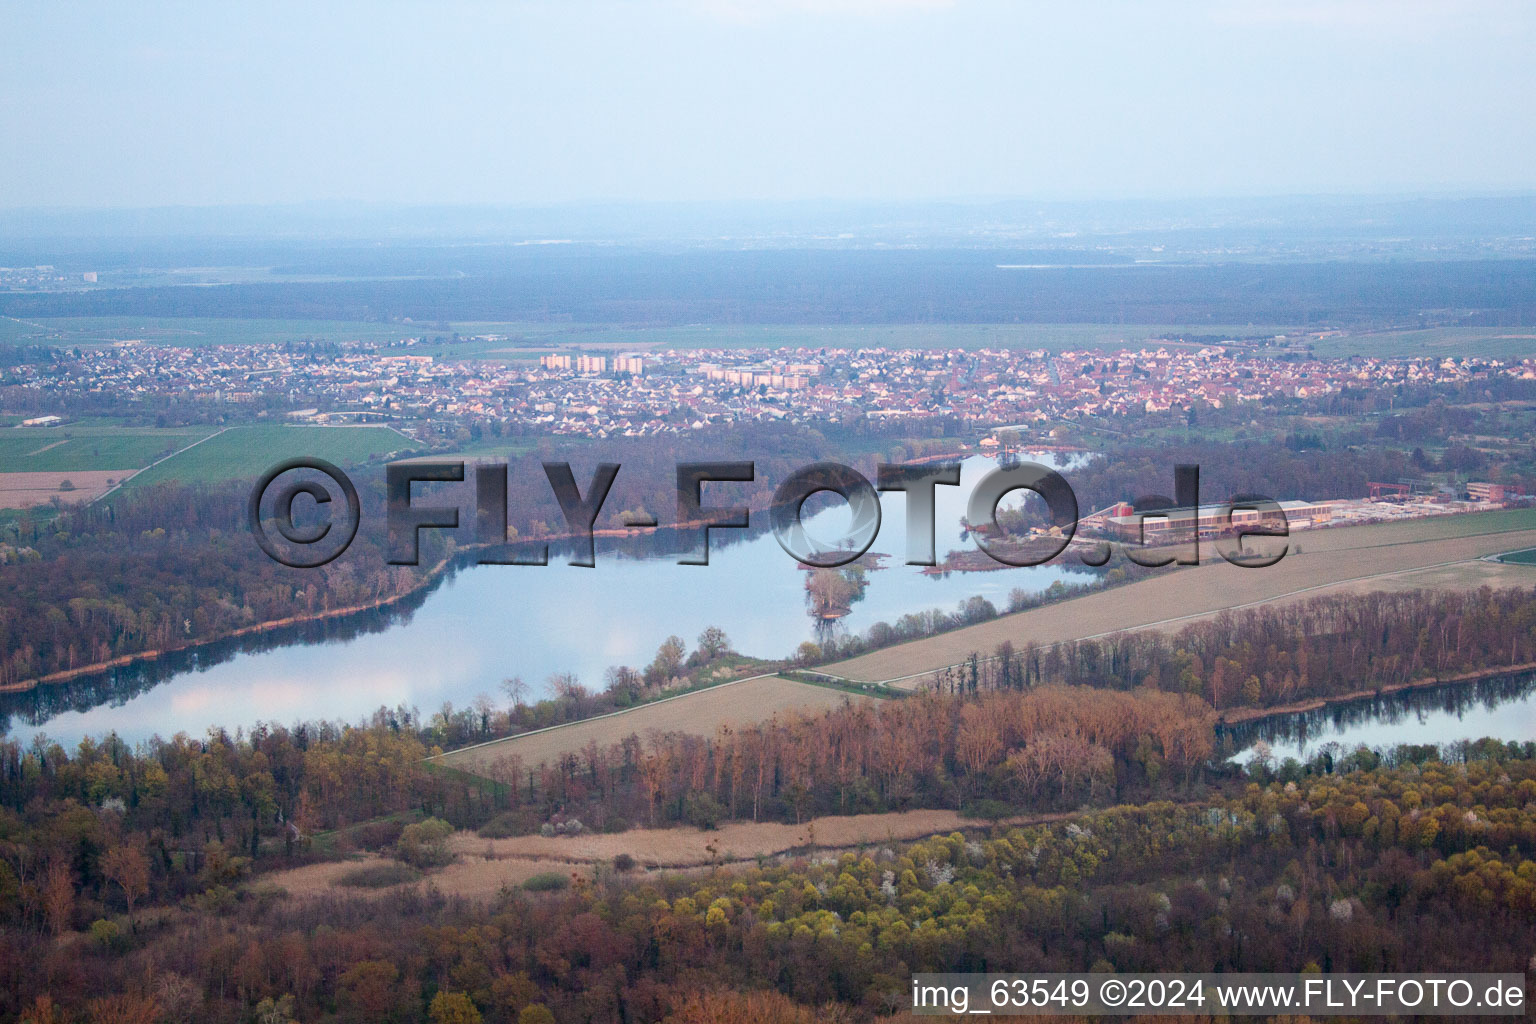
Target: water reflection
(1503, 708)
(480, 624)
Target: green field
(1526, 557)
(195, 331)
(82, 448)
(527, 341)
(1449, 527)
(1052, 337)
(1487, 342)
(247, 452)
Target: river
(1502, 708)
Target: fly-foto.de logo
(1167, 531)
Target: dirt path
(701, 713)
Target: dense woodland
(1416, 864)
(131, 878)
(601, 284)
(1268, 656)
(166, 567)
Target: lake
(484, 623)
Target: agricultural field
(76, 448)
(1487, 342)
(1526, 557)
(247, 452)
(527, 341)
(27, 490)
(68, 332)
(700, 713)
(1053, 337)
(1445, 551)
(81, 461)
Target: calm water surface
(488, 622)
(1504, 709)
(485, 623)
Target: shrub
(379, 876)
(547, 881)
(563, 827)
(425, 844)
(703, 811)
(108, 935)
(507, 824)
(992, 810)
(376, 835)
(624, 862)
(453, 1008)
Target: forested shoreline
(172, 566)
(1269, 656)
(1350, 869)
(134, 875)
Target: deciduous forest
(131, 880)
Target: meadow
(247, 452)
(1453, 342)
(77, 448)
(194, 332)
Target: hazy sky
(142, 104)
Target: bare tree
(129, 869)
(484, 708)
(515, 689)
(58, 897)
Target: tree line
(1280, 654)
(1425, 865)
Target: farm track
(702, 712)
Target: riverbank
(1251, 716)
(657, 541)
(429, 580)
(255, 629)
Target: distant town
(660, 391)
